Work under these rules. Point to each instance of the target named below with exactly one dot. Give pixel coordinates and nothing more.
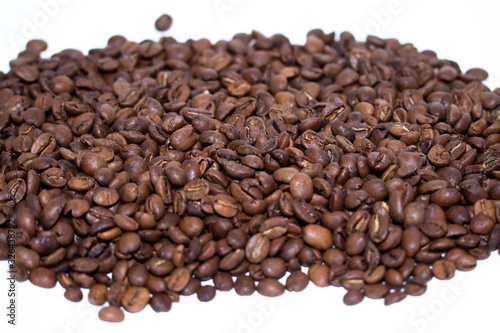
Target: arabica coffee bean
(318, 236)
(353, 297)
(112, 314)
(244, 285)
(443, 269)
(150, 171)
(270, 288)
(163, 23)
(98, 294)
(73, 294)
(43, 277)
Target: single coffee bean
(319, 275)
(161, 303)
(206, 293)
(106, 197)
(297, 281)
(270, 288)
(353, 297)
(244, 285)
(43, 277)
(443, 269)
(73, 294)
(112, 314)
(163, 23)
(98, 294)
(466, 262)
(135, 299)
(317, 236)
(257, 248)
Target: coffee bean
(163, 23)
(135, 299)
(73, 294)
(161, 303)
(443, 269)
(106, 197)
(482, 224)
(98, 294)
(353, 297)
(257, 248)
(178, 279)
(244, 285)
(112, 314)
(394, 297)
(465, 262)
(270, 288)
(43, 277)
(319, 275)
(206, 293)
(318, 237)
(301, 187)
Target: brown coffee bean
(482, 224)
(82, 183)
(163, 23)
(301, 186)
(206, 293)
(135, 299)
(317, 236)
(178, 279)
(319, 275)
(106, 197)
(353, 297)
(161, 303)
(43, 277)
(270, 288)
(297, 281)
(443, 269)
(73, 294)
(112, 314)
(257, 248)
(129, 242)
(244, 285)
(98, 294)
(466, 262)
(394, 297)
(225, 205)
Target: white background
(463, 31)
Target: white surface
(466, 32)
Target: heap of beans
(150, 171)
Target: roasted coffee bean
(443, 269)
(98, 294)
(73, 294)
(353, 297)
(319, 275)
(106, 197)
(161, 303)
(163, 23)
(206, 293)
(112, 314)
(257, 248)
(135, 299)
(317, 236)
(244, 285)
(43, 277)
(270, 288)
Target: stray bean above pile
(150, 171)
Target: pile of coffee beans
(150, 171)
